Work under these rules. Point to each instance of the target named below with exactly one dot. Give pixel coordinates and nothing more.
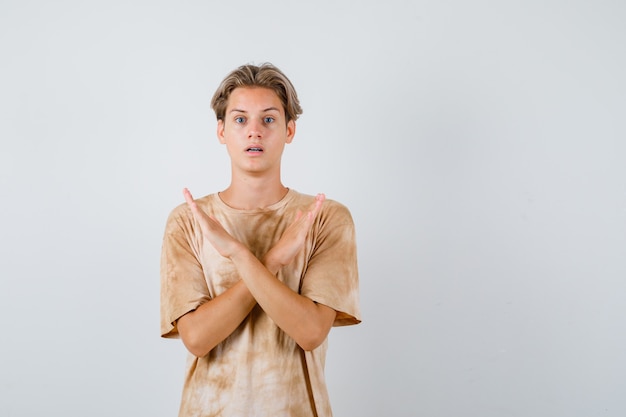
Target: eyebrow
(262, 111)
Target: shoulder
(338, 212)
(329, 203)
(180, 217)
(332, 210)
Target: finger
(195, 210)
(188, 196)
(319, 200)
(316, 203)
(315, 209)
(190, 201)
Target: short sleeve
(183, 286)
(331, 276)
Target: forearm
(306, 322)
(204, 328)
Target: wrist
(271, 264)
(239, 252)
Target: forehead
(253, 99)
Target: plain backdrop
(480, 146)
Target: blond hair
(264, 75)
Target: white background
(480, 146)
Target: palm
(212, 230)
(292, 240)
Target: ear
(220, 131)
(291, 130)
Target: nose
(254, 130)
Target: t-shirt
(258, 370)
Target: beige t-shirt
(258, 370)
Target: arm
(306, 322)
(202, 329)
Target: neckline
(272, 207)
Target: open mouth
(254, 149)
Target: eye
(240, 119)
(268, 119)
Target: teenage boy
(254, 277)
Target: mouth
(254, 149)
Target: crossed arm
(307, 322)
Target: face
(255, 130)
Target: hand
(212, 230)
(292, 240)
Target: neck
(253, 193)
